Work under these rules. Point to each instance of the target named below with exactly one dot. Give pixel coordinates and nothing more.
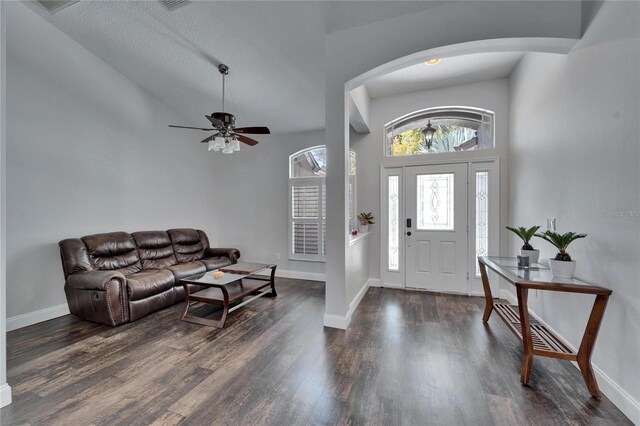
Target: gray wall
(492, 95)
(252, 199)
(574, 155)
(87, 151)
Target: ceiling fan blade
(214, 121)
(210, 138)
(194, 128)
(247, 140)
(253, 130)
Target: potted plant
(562, 265)
(365, 220)
(526, 234)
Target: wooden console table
(537, 339)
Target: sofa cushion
(215, 262)
(142, 307)
(148, 283)
(183, 270)
(188, 244)
(155, 249)
(114, 251)
(75, 257)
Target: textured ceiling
(449, 72)
(275, 51)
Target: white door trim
(396, 279)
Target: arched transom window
(455, 129)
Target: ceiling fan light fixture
(235, 144)
(227, 149)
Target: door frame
(397, 279)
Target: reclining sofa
(118, 277)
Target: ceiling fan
(225, 134)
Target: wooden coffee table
(239, 281)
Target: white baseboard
(612, 390)
(342, 322)
(42, 315)
(336, 321)
(5, 395)
(376, 282)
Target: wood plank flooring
(410, 358)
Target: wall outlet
(551, 224)
(277, 256)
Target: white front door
(436, 227)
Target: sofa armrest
(98, 296)
(94, 280)
(232, 253)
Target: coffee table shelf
(239, 281)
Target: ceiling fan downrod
(224, 70)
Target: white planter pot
(363, 229)
(534, 255)
(562, 269)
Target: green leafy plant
(561, 242)
(366, 218)
(525, 234)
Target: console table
(536, 338)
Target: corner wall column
(5, 389)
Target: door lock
(409, 222)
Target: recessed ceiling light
(434, 61)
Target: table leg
(488, 297)
(273, 282)
(588, 342)
(527, 359)
(204, 321)
(186, 300)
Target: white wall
(87, 151)
(574, 155)
(252, 200)
(492, 95)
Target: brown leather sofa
(119, 277)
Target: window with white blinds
(307, 223)
(307, 210)
(307, 206)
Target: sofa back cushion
(114, 251)
(188, 244)
(155, 249)
(75, 257)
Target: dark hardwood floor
(409, 357)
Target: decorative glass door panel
(435, 201)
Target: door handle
(409, 233)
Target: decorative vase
(562, 269)
(534, 255)
(363, 229)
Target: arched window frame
(306, 186)
(481, 119)
(299, 188)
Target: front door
(436, 227)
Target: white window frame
(424, 114)
(320, 182)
